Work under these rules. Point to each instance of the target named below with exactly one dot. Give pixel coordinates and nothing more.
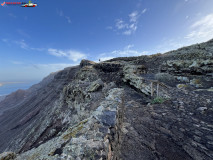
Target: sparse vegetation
(197, 81)
(164, 77)
(158, 100)
(182, 86)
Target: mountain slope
(147, 107)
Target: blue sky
(37, 41)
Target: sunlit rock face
(147, 107)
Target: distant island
(3, 83)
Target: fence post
(157, 89)
(152, 89)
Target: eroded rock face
(85, 62)
(7, 156)
(195, 67)
(109, 110)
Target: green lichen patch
(182, 86)
(75, 130)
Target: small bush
(164, 77)
(197, 81)
(158, 100)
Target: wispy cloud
(16, 62)
(5, 40)
(144, 11)
(70, 54)
(22, 44)
(61, 14)
(201, 30)
(129, 27)
(68, 19)
(53, 67)
(168, 45)
(12, 15)
(127, 51)
(23, 33)
(120, 24)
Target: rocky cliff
(2, 98)
(147, 107)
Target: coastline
(4, 83)
(7, 88)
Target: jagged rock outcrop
(147, 107)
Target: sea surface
(12, 87)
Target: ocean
(12, 87)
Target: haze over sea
(8, 88)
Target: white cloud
(201, 30)
(23, 33)
(61, 14)
(70, 54)
(128, 28)
(12, 15)
(22, 44)
(120, 24)
(133, 16)
(16, 62)
(144, 11)
(109, 27)
(106, 58)
(168, 45)
(128, 47)
(128, 51)
(5, 40)
(205, 21)
(68, 19)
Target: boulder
(95, 86)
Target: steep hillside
(2, 98)
(147, 107)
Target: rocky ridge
(147, 107)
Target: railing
(158, 87)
